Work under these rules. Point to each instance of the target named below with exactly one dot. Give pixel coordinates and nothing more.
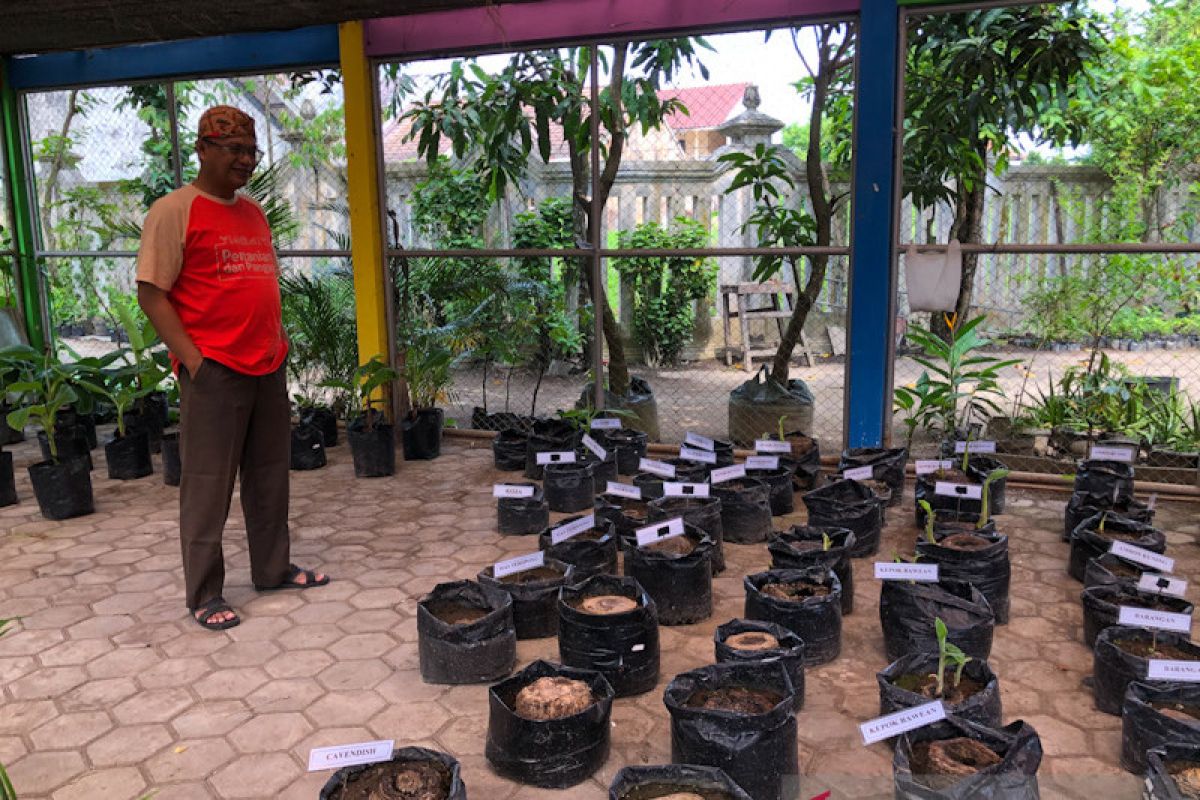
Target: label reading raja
(859, 473)
(972, 491)
(349, 754)
(657, 468)
(1160, 669)
(1141, 555)
(703, 456)
(511, 490)
(556, 457)
(1109, 452)
(727, 473)
(671, 489)
(606, 424)
(1162, 584)
(772, 446)
(696, 440)
(659, 531)
(594, 446)
(564, 532)
(895, 724)
(623, 490)
(762, 462)
(519, 564)
(981, 446)
(929, 466)
(904, 571)
(1149, 618)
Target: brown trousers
(232, 423)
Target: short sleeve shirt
(215, 260)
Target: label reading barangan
(659, 468)
(772, 446)
(347, 755)
(1140, 555)
(606, 424)
(519, 564)
(1111, 452)
(981, 446)
(1149, 618)
(1161, 669)
(556, 457)
(693, 454)
(564, 532)
(900, 722)
(623, 490)
(594, 446)
(727, 473)
(671, 489)
(762, 462)
(929, 466)
(696, 440)
(659, 531)
(904, 571)
(969, 491)
(1154, 583)
(511, 490)
(859, 473)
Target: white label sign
(564, 532)
(349, 754)
(696, 440)
(904, 571)
(659, 468)
(981, 446)
(511, 490)
(667, 529)
(519, 564)
(895, 724)
(859, 474)
(1140, 555)
(556, 457)
(594, 446)
(1149, 618)
(606, 424)
(1160, 669)
(1162, 584)
(762, 462)
(703, 456)
(971, 491)
(727, 473)
(1103, 452)
(671, 489)
(772, 446)
(623, 490)
(928, 466)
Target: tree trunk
(967, 229)
(57, 164)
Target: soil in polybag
(597, 631)
(1122, 655)
(550, 753)
(465, 633)
(973, 556)
(519, 516)
(508, 450)
(1154, 714)
(1105, 478)
(745, 509)
(1110, 569)
(887, 465)
(535, 596)
(806, 602)
(590, 552)
(802, 546)
(627, 514)
(1088, 541)
(1173, 772)
(1101, 606)
(677, 574)
(324, 420)
(308, 448)
(907, 611)
(665, 780)
(1081, 506)
(759, 641)
(703, 512)
(739, 717)
(910, 681)
(847, 504)
(945, 761)
(413, 773)
(128, 456)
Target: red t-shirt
(215, 260)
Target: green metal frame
(27, 273)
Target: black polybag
(988, 568)
(1143, 726)
(1159, 783)
(805, 465)
(790, 652)
(907, 611)
(787, 553)
(535, 612)
(1113, 668)
(8, 481)
(640, 783)
(962, 508)
(887, 465)
(553, 754)
(978, 469)
(758, 751)
(1111, 569)
(688, 471)
(745, 509)
(519, 516)
(373, 450)
(332, 790)
(308, 447)
(421, 433)
(568, 487)
(63, 490)
(128, 456)
(1105, 478)
(1088, 541)
(591, 552)
(1083, 505)
(650, 484)
(630, 446)
(703, 512)
(1014, 778)
(1101, 606)
(781, 493)
(548, 436)
(848, 504)
(816, 620)
(508, 450)
(621, 647)
(603, 469)
(324, 420)
(681, 586)
(627, 514)
(982, 707)
(484, 650)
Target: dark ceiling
(37, 26)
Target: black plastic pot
(1088, 541)
(887, 465)
(982, 707)
(630, 446)
(346, 778)
(64, 489)
(680, 585)
(500, 421)
(1081, 506)
(520, 516)
(1111, 570)
(591, 552)
(1101, 607)
(149, 421)
(8, 481)
(553, 754)
(324, 420)
(758, 751)
(961, 508)
(603, 471)
(128, 456)
(470, 652)
(1104, 478)
(703, 512)
(156, 404)
(86, 424)
(816, 620)
(1014, 778)
(171, 466)
(627, 514)
(548, 436)
(1114, 667)
(1145, 726)
(569, 487)
(801, 547)
(745, 510)
(508, 450)
(978, 469)
(847, 504)
(1160, 783)
(535, 612)
(985, 565)
(8, 434)
(308, 447)
(373, 450)
(622, 647)
(782, 494)
(650, 484)
(421, 433)
(689, 471)
(907, 611)
(71, 444)
(804, 461)
(642, 783)
(790, 651)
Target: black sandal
(310, 577)
(213, 607)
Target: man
(209, 282)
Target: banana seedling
(984, 511)
(929, 520)
(948, 654)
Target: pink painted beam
(524, 24)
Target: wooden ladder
(735, 300)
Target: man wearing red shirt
(209, 282)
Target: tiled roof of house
(708, 106)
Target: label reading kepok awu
(696, 440)
(659, 468)
(929, 466)
(668, 529)
(347, 755)
(556, 457)
(1111, 452)
(623, 490)
(1161, 669)
(727, 473)
(909, 719)
(511, 490)
(968, 491)
(1140, 555)
(594, 446)
(859, 473)
(564, 532)
(981, 446)
(772, 446)
(904, 571)
(694, 454)
(1155, 583)
(672, 489)
(519, 564)
(1149, 618)
(606, 424)
(762, 462)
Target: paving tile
(354, 675)
(188, 760)
(258, 775)
(71, 730)
(287, 694)
(269, 732)
(343, 709)
(210, 718)
(47, 682)
(156, 705)
(23, 716)
(98, 694)
(43, 772)
(128, 744)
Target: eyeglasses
(238, 150)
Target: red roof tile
(708, 106)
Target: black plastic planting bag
(650, 484)
(987, 567)
(758, 751)
(128, 456)
(1101, 606)
(639, 402)
(8, 481)
(790, 651)
(553, 754)
(816, 620)
(535, 611)
(848, 504)
(548, 436)
(324, 420)
(781, 492)
(688, 471)
(703, 512)
(473, 652)
(982, 707)
(681, 586)
(63, 490)
(1160, 785)
(373, 450)
(519, 516)
(603, 471)
(70, 442)
(627, 514)
(630, 446)
(171, 466)
(308, 447)
(345, 778)
(907, 611)
(961, 507)
(1145, 725)
(802, 546)
(1109, 569)
(590, 552)
(887, 465)
(647, 783)
(1014, 778)
(745, 509)
(757, 405)
(978, 469)
(508, 450)
(1088, 541)
(1114, 667)
(568, 487)
(1082, 505)
(622, 647)
(1105, 478)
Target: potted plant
(148, 365)
(427, 373)
(372, 438)
(127, 453)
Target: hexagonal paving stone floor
(110, 691)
